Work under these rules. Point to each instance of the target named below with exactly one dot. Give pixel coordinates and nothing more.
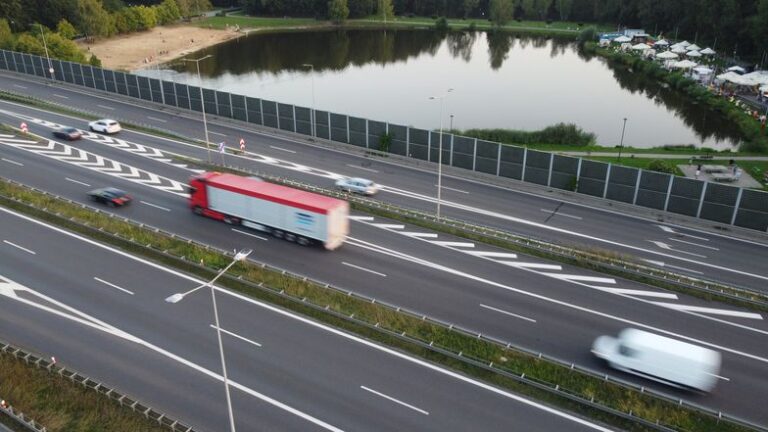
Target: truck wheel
(197, 210)
(290, 237)
(303, 241)
(278, 233)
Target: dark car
(113, 197)
(67, 133)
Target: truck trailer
(284, 212)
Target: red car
(113, 197)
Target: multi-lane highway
(542, 306)
(690, 251)
(102, 311)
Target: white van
(660, 358)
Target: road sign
(24, 127)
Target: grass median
(371, 320)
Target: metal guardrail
(122, 399)
(21, 418)
(427, 344)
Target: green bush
(559, 134)
(589, 34)
(662, 166)
(441, 24)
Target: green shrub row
(559, 134)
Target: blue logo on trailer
(305, 219)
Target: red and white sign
(24, 127)
(242, 145)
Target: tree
(360, 8)
(13, 11)
(94, 20)
(94, 61)
(66, 30)
(386, 9)
(469, 6)
(183, 6)
(197, 7)
(7, 41)
(338, 11)
(167, 12)
(146, 17)
(29, 44)
(501, 11)
(62, 48)
(564, 9)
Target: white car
(358, 185)
(106, 126)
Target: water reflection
(501, 80)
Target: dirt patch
(161, 44)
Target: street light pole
(440, 153)
(451, 128)
(175, 298)
(202, 102)
(312, 116)
(621, 145)
(50, 65)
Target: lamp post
(50, 65)
(621, 145)
(451, 128)
(240, 256)
(312, 116)
(440, 151)
(202, 102)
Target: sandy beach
(161, 44)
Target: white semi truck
(284, 212)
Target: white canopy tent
(693, 54)
(707, 51)
(737, 69)
(684, 64)
(667, 55)
(756, 78)
(702, 70)
(641, 47)
(679, 50)
(622, 39)
(681, 44)
(693, 47)
(734, 78)
(661, 42)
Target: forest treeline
(737, 27)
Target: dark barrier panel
(652, 192)
(238, 107)
(592, 178)
(399, 145)
(253, 106)
(195, 99)
(357, 134)
(719, 203)
(511, 163)
(18, 62)
(88, 76)
(29, 67)
(58, 70)
(98, 79)
(223, 107)
(685, 196)
(120, 83)
(463, 152)
(169, 93)
(487, 157)
(182, 96)
(339, 128)
(285, 112)
(3, 62)
(109, 81)
(753, 210)
(41, 69)
(209, 98)
(77, 73)
(375, 130)
(156, 90)
(323, 129)
(419, 137)
(303, 119)
(564, 170)
(269, 110)
(133, 85)
(621, 184)
(434, 147)
(66, 67)
(537, 167)
(144, 91)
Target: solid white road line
(581, 278)
(216, 133)
(76, 181)
(237, 336)
(452, 244)
(363, 269)
(562, 214)
(536, 266)
(362, 168)
(713, 311)
(106, 107)
(389, 226)
(694, 244)
(249, 234)
(19, 86)
(12, 162)
(112, 285)
(507, 313)
(636, 293)
(452, 189)
(19, 247)
(60, 96)
(390, 398)
(157, 119)
(155, 206)
(489, 254)
(362, 218)
(420, 234)
(282, 149)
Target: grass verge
(493, 363)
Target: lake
(498, 80)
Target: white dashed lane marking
(29, 251)
(363, 269)
(507, 313)
(399, 402)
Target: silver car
(357, 185)
(106, 126)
